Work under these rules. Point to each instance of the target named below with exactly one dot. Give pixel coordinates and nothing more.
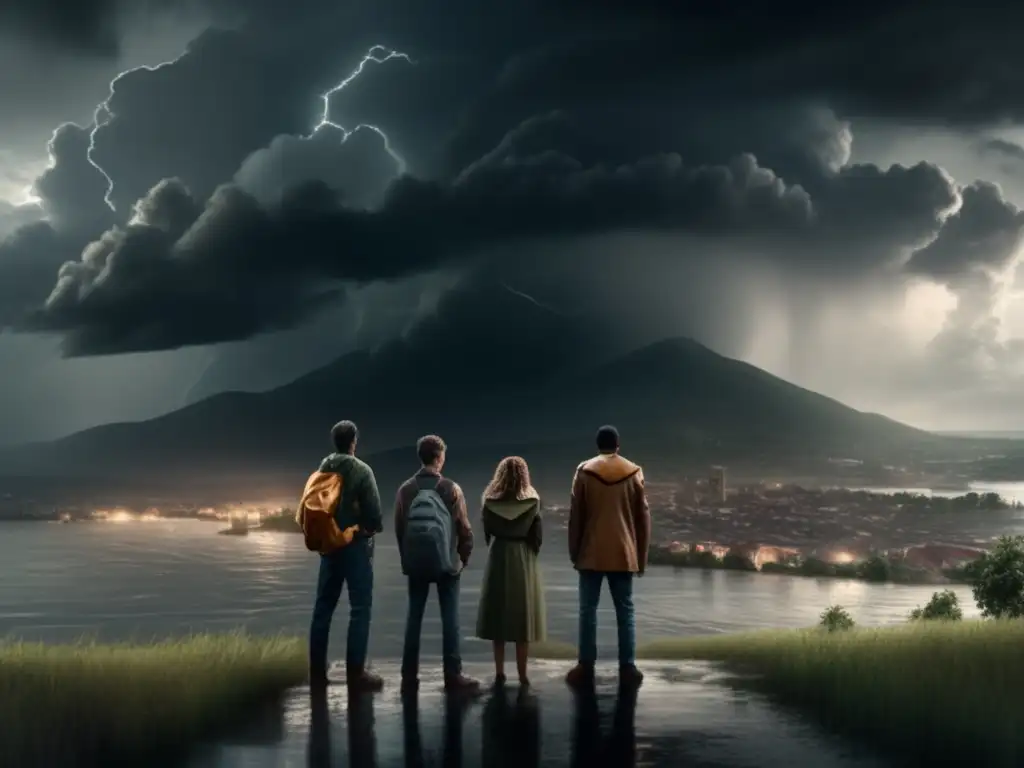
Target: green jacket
(360, 498)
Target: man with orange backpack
(339, 514)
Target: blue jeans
(353, 566)
(620, 584)
(448, 598)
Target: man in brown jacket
(609, 532)
(431, 450)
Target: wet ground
(684, 716)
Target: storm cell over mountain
(831, 193)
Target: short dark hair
(429, 448)
(607, 438)
(344, 435)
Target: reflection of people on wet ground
(318, 750)
(592, 747)
(511, 731)
(455, 709)
(362, 741)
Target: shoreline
(875, 570)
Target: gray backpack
(428, 547)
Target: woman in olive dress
(512, 606)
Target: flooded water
(146, 579)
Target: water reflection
(511, 730)
(591, 745)
(362, 739)
(455, 709)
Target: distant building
(716, 484)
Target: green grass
(940, 690)
(92, 704)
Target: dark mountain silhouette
(518, 380)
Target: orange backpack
(319, 502)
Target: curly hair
(511, 481)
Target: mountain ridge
(670, 398)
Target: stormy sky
(833, 193)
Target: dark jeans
(448, 599)
(620, 584)
(353, 566)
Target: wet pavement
(685, 715)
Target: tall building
(716, 484)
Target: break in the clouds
(719, 144)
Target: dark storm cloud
(177, 277)
(358, 167)
(983, 235)
(200, 116)
(89, 26)
(241, 269)
(72, 189)
(29, 259)
(935, 63)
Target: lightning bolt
(535, 302)
(377, 54)
(103, 108)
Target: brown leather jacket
(609, 518)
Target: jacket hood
(609, 468)
(511, 509)
(337, 461)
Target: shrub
(875, 568)
(736, 562)
(944, 605)
(997, 579)
(835, 618)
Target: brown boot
(461, 684)
(630, 676)
(361, 679)
(580, 676)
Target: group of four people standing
(609, 533)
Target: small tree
(997, 579)
(876, 568)
(944, 605)
(835, 618)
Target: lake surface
(146, 579)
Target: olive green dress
(512, 606)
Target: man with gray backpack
(435, 541)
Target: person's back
(609, 530)
(435, 541)
(609, 534)
(512, 608)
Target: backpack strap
(429, 479)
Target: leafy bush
(944, 605)
(997, 579)
(875, 568)
(835, 618)
(735, 562)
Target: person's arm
(641, 521)
(371, 520)
(483, 521)
(535, 536)
(463, 530)
(399, 519)
(577, 515)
